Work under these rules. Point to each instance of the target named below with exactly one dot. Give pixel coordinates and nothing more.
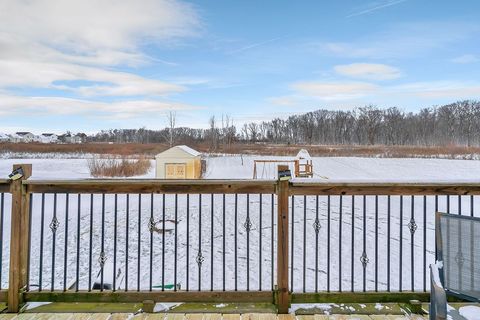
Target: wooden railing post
(282, 242)
(18, 238)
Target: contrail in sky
(388, 4)
(254, 45)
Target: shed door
(175, 170)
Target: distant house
(22, 137)
(48, 138)
(70, 138)
(179, 162)
(4, 137)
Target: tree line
(457, 123)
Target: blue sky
(91, 65)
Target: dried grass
(151, 149)
(118, 167)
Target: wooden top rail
(246, 186)
(151, 186)
(4, 185)
(384, 188)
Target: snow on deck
(325, 169)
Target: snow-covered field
(344, 250)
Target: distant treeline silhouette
(452, 124)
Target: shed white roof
(189, 150)
(183, 148)
(303, 154)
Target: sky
(89, 65)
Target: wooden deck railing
(265, 209)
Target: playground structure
(302, 166)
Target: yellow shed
(179, 162)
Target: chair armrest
(438, 297)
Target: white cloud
(77, 46)
(10, 104)
(453, 90)
(334, 90)
(98, 82)
(368, 71)
(466, 58)
(92, 25)
(350, 94)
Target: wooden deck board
(199, 316)
(120, 316)
(233, 316)
(80, 316)
(155, 316)
(194, 316)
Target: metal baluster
(272, 242)
(163, 242)
(448, 204)
(211, 240)
(352, 266)
(401, 245)
(139, 240)
(199, 255)
(459, 204)
(42, 223)
(65, 253)
(224, 242)
(77, 271)
(424, 243)
(53, 227)
(30, 204)
(188, 245)
(471, 207)
(376, 243)
(340, 218)
(413, 227)
(2, 212)
(115, 222)
(304, 242)
(236, 242)
(127, 220)
(260, 246)
(90, 245)
(247, 226)
(328, 243)
(102, 258)
(152, 229)
(364, 258)
(175, 244)
(316, 227)
(292, 248)
(389, 209)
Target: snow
(470, 312)
(343, 169)
(185, 149)
(189, 150)
(236, 167)
(165, 306)
(436, 273)
(326, 307)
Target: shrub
(118, 167)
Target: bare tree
(213, 134)
(171, 117)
